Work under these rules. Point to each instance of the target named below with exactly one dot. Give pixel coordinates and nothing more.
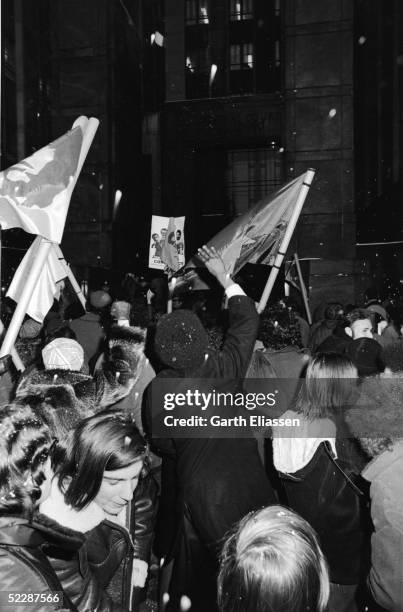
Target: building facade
(257, 92)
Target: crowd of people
(101, 513)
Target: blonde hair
(273, 563)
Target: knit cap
(181, 340)
(30, 329)
(63, 354)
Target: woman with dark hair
(25, 474)
(318, 472)
(95, 478)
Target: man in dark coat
(216, 481)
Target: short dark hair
(272, 561)
(106, 441)
(25, 445)
(358, 314)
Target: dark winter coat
(67, 553)
(216, 481)
(89, 394)
(324, 493)
(25, 568)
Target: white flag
(47, 287)
(35, 193)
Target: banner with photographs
(167, 243)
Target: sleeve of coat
(122, 365)
(234, 358)
(19, 577)
(144, 507)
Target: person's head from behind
(180, 340)
(360, 324)
(329, 386)
(64, 354)
(98, 301)
(25, 449)
(103, 461)
(272, 563)
(333, 311)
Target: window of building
(241, 9)
(196, 12)
(251, 175)
(197, 73)
(241, 56)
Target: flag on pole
(35, 193)
(254, 237)
(48, 286)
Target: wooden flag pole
(303, 289)
(286, 239)
(70, 276)
(21, 309)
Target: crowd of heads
(272, 561)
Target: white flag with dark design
(35, 193)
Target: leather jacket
(67, 553)
(25, 568)
(94, 564)
(112, 547)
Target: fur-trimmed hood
(85, 394)
(72, 393)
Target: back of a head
(365, 353)
(273, 563)
(99, 300)
(180, 340)
(25, 443)
(64, 354)
(329, 385)
(333, 311)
